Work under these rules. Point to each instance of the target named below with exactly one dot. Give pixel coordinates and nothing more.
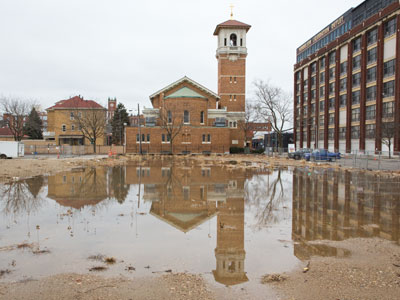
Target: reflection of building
(79, 187)
(340, 205)
(186, 197)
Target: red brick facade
(212, 123)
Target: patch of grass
(98, 257)
(110, 260)
(97, 269)
(3, 272)
(24, 246)
(38, 252)
(272, 278)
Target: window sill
(165, 142)
(206, 142)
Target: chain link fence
(71, 151)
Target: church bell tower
(231, 55)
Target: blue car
(322, 154)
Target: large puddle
(232, 225)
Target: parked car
(299, 153)
(322, 154)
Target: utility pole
(140, 135)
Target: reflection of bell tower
(231, 55)
(230, 253)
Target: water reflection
(337, 205)
(187, 197)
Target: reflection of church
(185, 198)
(337, 205)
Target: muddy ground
(15, 169)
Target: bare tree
(91, 122)
(388, 134)
(15, 110)
(172, 123)
(247, 124)
(274, 106)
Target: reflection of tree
(266, 197)
(118, 184)
(17, 196)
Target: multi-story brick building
(347, 82)
(190, 116)
(63, 125)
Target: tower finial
(231, 6)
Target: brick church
(187, 117)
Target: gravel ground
(372, 272)
(81, 287)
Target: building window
(370, 112)
(388, 110)
(388, 89)
(371, 93)
(186, 117)
(72, 127)
(64, 128)
(206, 138)
(332, 103)
(343, 84)
(371, 55)
(332, 73)
(355, 132)
(230, 79)
(370, 131)
(297, 87)
(322, 77)
(137, 138)
(331, 88)
(225, 42)
(371, 74)
(372, 36)
(357, 62)
(331, 133)
(233, 40)
(312, 108)
(331, 119)
(209, 138)
(357, 44)
(343, 100)
(322, 63)
(202, 117)
(389, 68)
(143, 138)
(355, 115)
(313, 92)
(305, 97)
(71, 115)
(322, 91)
(169, 117)
(355, 97)
(305, 84)
(321, 135)
(313, 68)
(342, 133)
(321, 105)
(343, 68)
(321, 120)
(305, 110)
(332, 58)
(357, 79)
(389, 28)
(234, 79)
(313, 81)
(148, 138)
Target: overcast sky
(53, 49)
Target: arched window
(233, 40)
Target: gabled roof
(185, 92)
(231, 24)
(76, 102)
(184, 79)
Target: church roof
(231, 24)
(184, 79)
(185, 92)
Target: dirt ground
(371, 272)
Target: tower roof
(231, 24)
